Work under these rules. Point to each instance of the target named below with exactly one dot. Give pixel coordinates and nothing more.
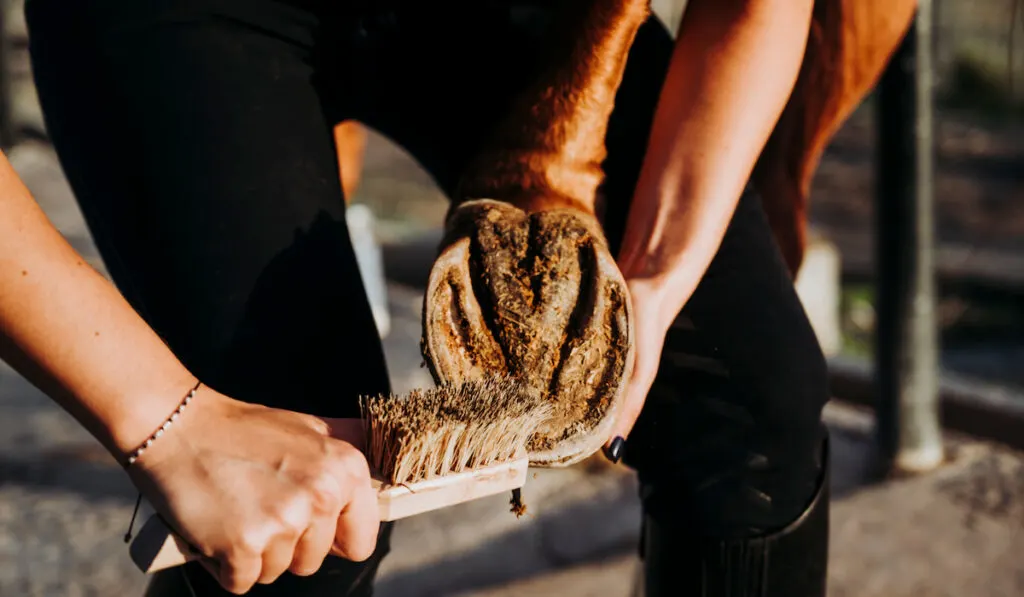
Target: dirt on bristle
(531, 301)
(450, 428)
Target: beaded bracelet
(160, 430)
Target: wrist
(144, 411)
(181, 442)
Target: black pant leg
(729, 446)
(197, 146)
(730, 436)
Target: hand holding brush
(259, 491)
(426, 450)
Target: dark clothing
(196, 135)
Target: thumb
(646, 358)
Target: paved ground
(64, 504)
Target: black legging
(196, 135)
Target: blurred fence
(975, 42)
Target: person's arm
(734, 65)
(258, 490)
(69, 331)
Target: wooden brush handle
(156, 548)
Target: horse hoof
(537, 296)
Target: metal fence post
(906, 338)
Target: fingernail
(614, 451)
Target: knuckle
(370, 495)
(354, 464)
(318, 425)
(324, 493)
(289, 516)
(249, 543)
(365, 496)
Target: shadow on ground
(59, 471)
(550, 542)
(565, 538)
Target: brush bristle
(450, 428)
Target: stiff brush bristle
(449, 429)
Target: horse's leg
(350, 141)
(850, 44)
(525, 283)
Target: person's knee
(736, 454)
(788, 422)
(793, 391)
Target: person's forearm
(69, 331)
(733, 68)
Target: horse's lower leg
(548, 152)
(350, 143)
(525, 284)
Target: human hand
(260, 491)
(656, 304)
